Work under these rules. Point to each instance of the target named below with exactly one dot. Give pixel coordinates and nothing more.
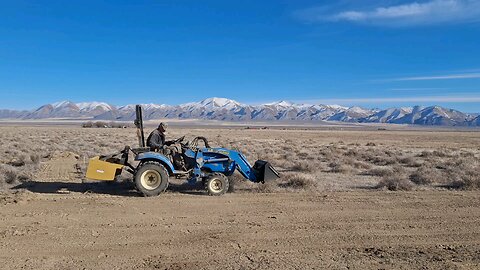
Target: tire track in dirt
(355, 230)
(63, 166)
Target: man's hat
(162, 126)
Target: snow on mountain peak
(60, 104)
(336, 107)
(152, 106)
(281, 103)
(284, 103)
(89, 106)
(359, 110)
(219, 102)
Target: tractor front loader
(193, 162)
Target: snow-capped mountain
(388, 115)
(67, 109)
(12, 114)
(231, 110)
(94, 108)
(475, 122)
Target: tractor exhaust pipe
(139, 124)
(265, 171)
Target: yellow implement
(103, 170)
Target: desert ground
(348, 198)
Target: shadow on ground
(109, 188)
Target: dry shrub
(395, 183)
(298, 181)
(435, 153)
(361, 165)
(303, 155)
(35, 158)
(470, 180)
(10, 176)
(396, 180)
(410, 161)
(464, 175)
(268, 187)
(352, 153)
(18, 161)
(380, 172)
(306, 166)
(425, 175)
(338, 166)
(330, 153)
(379, 158)
(383, 160)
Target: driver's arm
(168, 143)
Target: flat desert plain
(360, 198)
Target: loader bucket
(264, 171)
(102, 170)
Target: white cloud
(415, 13)
(441, 77)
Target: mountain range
(231, 110)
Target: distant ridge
(231, 110)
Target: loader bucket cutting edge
(265, 171)
(102, 170)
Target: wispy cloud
(417, 89)
(439, 77)
(423, 99)
(414, 13)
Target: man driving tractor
(156, 139)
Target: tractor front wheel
(151, 179)
(216, 184)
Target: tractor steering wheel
(179, 139)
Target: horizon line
(344, 102)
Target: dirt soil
(340, 230)
(336, 220)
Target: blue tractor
(194, 161)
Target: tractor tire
(216, 184)
(151, 179)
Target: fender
(156, 157)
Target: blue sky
(367, 53)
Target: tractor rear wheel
(151, 179)
(216, 184)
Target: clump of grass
(305, 166)
(395, 183)
(9, 173)
(338, 166)
(410, 161)
(268, 187)
(35, 158)
(18, 161)
(464, 175)
(299, 181)
(435, 153)
(10, 176)
(352, 153)
(361, 165)
(396, 180)
(382, 172)
(382, 160)
(425, 175)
